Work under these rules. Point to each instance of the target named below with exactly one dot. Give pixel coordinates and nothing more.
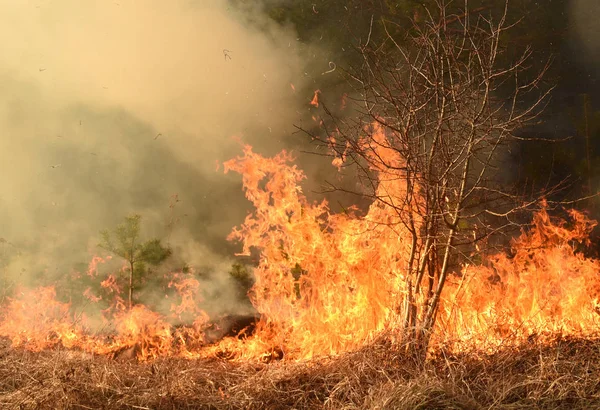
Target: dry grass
(561, 374)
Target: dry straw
(563, 373)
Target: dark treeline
(334, 30)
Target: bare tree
(436, 111)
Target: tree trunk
(130, 285)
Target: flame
(143, 329)
(330, 282)
(315, 100)
(325, 282)
(36, 319)
(343, 101)
(543, 286)
(94, 264)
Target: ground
(563, 373)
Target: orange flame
(327, 283)
(315, 100)
(544, 286)
(36, 319)
(344, 101)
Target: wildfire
(330, 282)
(325, 282)
(543, 287)
(37, 320)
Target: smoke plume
(111, 108)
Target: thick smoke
(109, 108)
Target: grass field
(563, 373)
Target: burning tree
(125, 242)
(436, 111)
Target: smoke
(110, 108)
(585, 27)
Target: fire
(543, 287)
(315, 100)
(144, 330)
(325, 282)
(330, 282)
(344, 101)
(36, 319)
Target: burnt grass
(562, 373)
